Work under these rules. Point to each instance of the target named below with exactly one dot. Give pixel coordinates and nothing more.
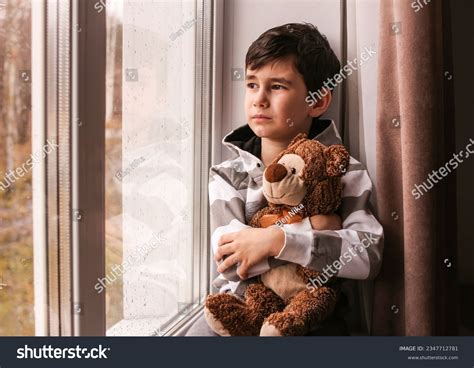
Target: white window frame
(69, 54)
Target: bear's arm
(354, 252)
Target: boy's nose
(260, 99)
(275, 173)
(261, 103)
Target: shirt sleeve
(227, 213)
(354, 252)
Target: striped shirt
(235, 195)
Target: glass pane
(113, 147)
(16, 224)
(150, 145)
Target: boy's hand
(326, 222)
(248, 247)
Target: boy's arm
(227, 215)
(355, 252)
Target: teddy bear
(303, 180)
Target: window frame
(88, 30)
(38, 98)
(69, 89)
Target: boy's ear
(319, 106)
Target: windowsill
(151, 326)
(136, 327)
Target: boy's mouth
(261, 116)
(261, 120)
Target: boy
(282, 66)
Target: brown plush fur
(244, 318)
(282, 304)
(304, 312)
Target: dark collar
(246, 140)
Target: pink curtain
(415, 293)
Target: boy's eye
(278, 86)
(293, 170)
(251, 85)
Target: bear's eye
(293, 170)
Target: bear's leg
(228, 315)
(304, 311)
(262, 301)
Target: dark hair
(313, 56)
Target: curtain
(415, 293)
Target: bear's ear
(298, 138)
(337, 160)
(293, 144)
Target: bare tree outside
(113, 151)
(16, 246)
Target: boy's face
(275, 103)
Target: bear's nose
(275, 173)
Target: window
(151, 93)
(114, 216)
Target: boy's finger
(224, 239)
(230, 261)
(223, 250)
(242, 272)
